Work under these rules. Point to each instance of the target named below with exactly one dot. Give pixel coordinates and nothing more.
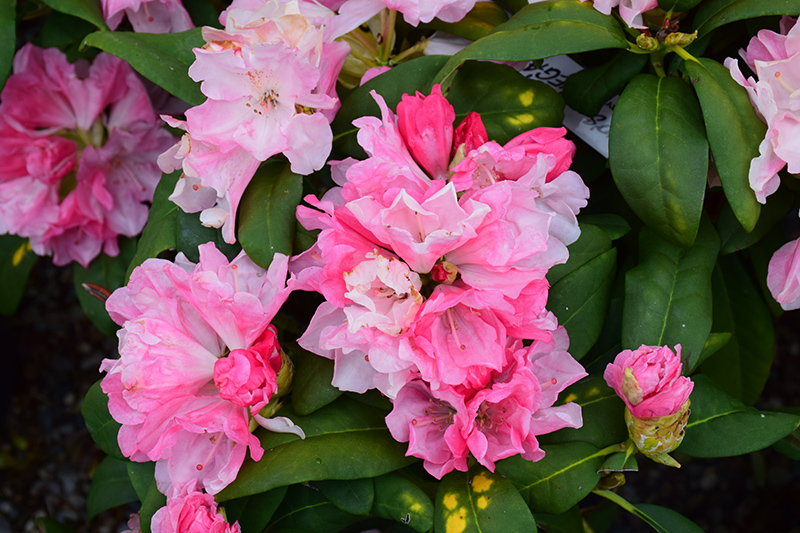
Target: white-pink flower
(148, 16)
(783, 276)
(198, 360)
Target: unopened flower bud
(657, 436)
(285, 375)
(444, 272)
(648, 43)
(680, 39)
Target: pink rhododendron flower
(649, 380)
(776, 61)
(426, 124)
(783, 276)
(198, 361)
(80, 144)
(148, 16)
(194, 513)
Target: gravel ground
(47, 456)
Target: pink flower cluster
(413, 11)
(198, 362)
(79, 145)
(432, 258)
(775, 58)
(149, 16)
(270, 78)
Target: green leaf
(542, 30)
(570, 521)
(152, 502)
(344, 440)
(508, 102)
(101, 426)
(107, 272)
(163, 58)
(8, 38)
(479, 501)
(141, 476)
(564, 477)
(659, 518)
(614, 226)
(406, 78)
(354, 496)
(734, 237)
(110, 487)
(658, 155)
(88, 10)
(306, 509)
(677, 5)
(722, 426)
(668, 294)
(50, 525)
(592, 243)
(190, 234)
(714, 343)
(16, 261)
(482, 19)
(602, 410)
(743, 365)
(267, 212)
(312, 387)
(160, 232)
(620, 462)
(790, 444)
(588, 90)
(399, 499)
(715, 13)
(580, 301)
(254, 512)
(734, 133)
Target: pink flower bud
(426, 124)
(471, 133)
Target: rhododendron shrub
(80, 144)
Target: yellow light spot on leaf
(411, 503)
(481, 483)
(19, 255)
(526, 98)
(483, 503)
(456, 522)
(571, 398)
(521, 120)
(450, 501)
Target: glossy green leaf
(542, 30)
(659, 518)
(141, 476)
(563, 478)
(65, 32)
(406, 78)
(397, 498)
(714, 343)
(482, 19)
(344, 440)
(677, 5)
(743, 365)
(668, 294)
(614, 226)
(620, 462)
(734, 133)
(715, 13)
(267, 212)
(580, 301)
(110, 487)
(152, 502)
(88, 10)
(312, 387)
(602, 411)
(790, 444)
(8, 37)
(16, 261)
(734, 237)
(163, 58)
(107, 272)
(479, 501)
(722, 426)
(101, 426)
(306, 509)
(254, 512)
(570, 521)
(160, 232)
(508, 102)
(592, 243)
(588, 90)
(658, 155)
(190, 234)
(354, 496)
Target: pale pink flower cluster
(630, 10)
(270, 78)
(432, 258)
(79, 144)
(148, 16)
(775, 58)
(413, 11)
(198, 361)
